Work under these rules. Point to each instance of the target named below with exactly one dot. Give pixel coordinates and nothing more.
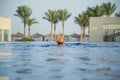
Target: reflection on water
(73, 61)
(23, 64)
(4, 78)
(24, 71)
(94, 70)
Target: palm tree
(82, 21)
(23, 12)
(30, 22)
(86, 19)
(108, 8)
(50, 17)
(117, 14)
(56, 20)
(64, 15)
(96, 11)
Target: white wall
(5, 24)
(97, 24)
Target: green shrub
(25, 39)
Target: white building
(104, 29)
(5, 29)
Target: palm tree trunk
(28, 31)
(54, 31)
(63, 27)
(81, 34)
(51, 32)
(84, 33)
(24, 29)
(88, 32)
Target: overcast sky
(39, 7)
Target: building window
(0, 35)
(6, 33)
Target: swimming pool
(73, 61)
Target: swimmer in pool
(60, 39)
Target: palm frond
(31, 21)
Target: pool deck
(4, 78)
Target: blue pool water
(73, 61)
